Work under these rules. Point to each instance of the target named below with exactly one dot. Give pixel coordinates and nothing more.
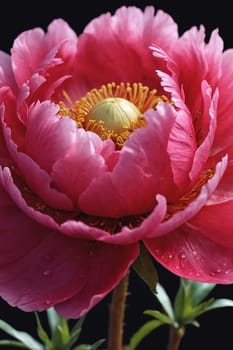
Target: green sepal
(165, 301)
(163, 318)
(42, 333)
(145, 268)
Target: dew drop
(170, 256)
(47, 272)
(48, 302)
(212, 274)
(183, 256)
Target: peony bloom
(118, 136)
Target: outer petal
(215, 222)
(6, 73)
(33, 258)
(189, 254)
(107, 265)
(36, 178)
(143, 171)
(50, 268)
(26, 61)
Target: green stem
(117, 313)
(175, 337)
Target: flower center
(114, 111)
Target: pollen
(114, 111)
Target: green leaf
(42, 334)
(164, 300)
(190, 315)
(90, 347)
(53, 318)
(13, 343)
(199, 291)
(97, 344)
(145, 268)
(159, 316)
(142, 332)
(219, 303)
(25, 338)
(75, 332)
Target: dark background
(216, 326)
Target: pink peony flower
(118, 136)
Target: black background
(216, 326)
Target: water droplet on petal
(182, 256)
(48, 302)
(47, 272)
(170, 256)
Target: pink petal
(48, 136)
(143, 171)
(188, 254)
(125, 235)
(181, 149)
(37, 265)
(60, 32)
(195, 206)
(190, 53)
(14, 193)
(124, 46)
(40, 267)
(107, 265)
(215, 222)
(224, 191)
(223, 136)
(6, 73)
(203, 151)
(82, 163)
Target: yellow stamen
(114, 111)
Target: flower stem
(117, 313)
(175, 337)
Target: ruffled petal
(143, 171)
(125, 46)
(80, 166)
(6, 73)
(126, 235)
(48, 136)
